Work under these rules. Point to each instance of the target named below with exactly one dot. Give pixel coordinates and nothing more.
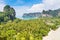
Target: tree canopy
(7, 14)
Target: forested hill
(7, 14)
(44, 13)
(53, 13)
(12, 28)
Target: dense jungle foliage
(12, 28)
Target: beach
(53, 35)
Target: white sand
(53, 35)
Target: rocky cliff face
(49, 13)
(32, 15)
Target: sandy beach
(53, 35)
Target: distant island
(49, 13)
(31, 15)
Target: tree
(10, 12)
(6, 8)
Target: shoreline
(53, 35)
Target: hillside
(48, 13)
(7, 14)
(31, 15)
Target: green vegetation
(12, 28)
(53, 13)
(7, 14)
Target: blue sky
(22, 2)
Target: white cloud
(36, 8)
(20, 10)
(1, 5)
(45, 5)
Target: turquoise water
(29, 18)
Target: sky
(22, 2)
(26, 6)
